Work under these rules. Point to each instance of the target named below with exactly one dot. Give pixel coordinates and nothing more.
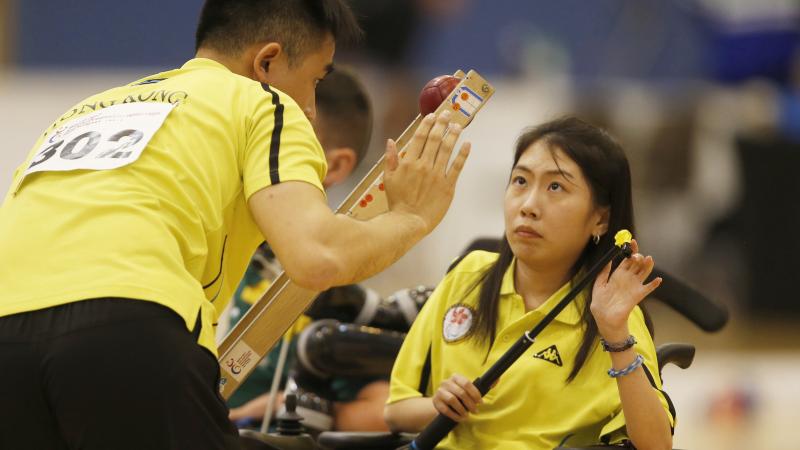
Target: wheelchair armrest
(681, 355)
(334, 440)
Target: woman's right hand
(456, 398)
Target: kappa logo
(550, 354)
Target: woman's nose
(530, 205)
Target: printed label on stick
(240, 361)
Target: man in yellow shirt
(131, 221)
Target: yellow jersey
(141, 192)
(531, 406)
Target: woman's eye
(518, 180)
(554, 186)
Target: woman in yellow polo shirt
(591, 376)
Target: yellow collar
(570, 314)
(204, 63)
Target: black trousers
(108, 374)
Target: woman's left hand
(614, 298)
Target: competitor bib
(107, 139)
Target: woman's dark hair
(605, 167)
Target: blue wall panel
(102, 33)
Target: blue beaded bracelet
(622, 372)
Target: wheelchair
(291, 437)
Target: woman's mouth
(525, 231)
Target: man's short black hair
(344, 112)
(299, 26)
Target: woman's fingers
(455, 404)
(451, 403)
(456, 398)
(647, 267)
(466, 392)
(650, 287)
(461, 400)
(625, 265)
(637, 260)
(470, 389)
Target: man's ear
(341, 162)
(264, 56)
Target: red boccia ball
(435, 92)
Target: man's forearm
(365, 248)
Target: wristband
(622, 372)
(618, 346)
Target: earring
(596, 239)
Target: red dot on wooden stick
(362, 203)
(381, 187)
(368, 197)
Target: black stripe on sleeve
(275, 143)
(425, 376)
(666, 396)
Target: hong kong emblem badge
(457, 322)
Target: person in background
(343, 125)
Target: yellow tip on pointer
(622, 237)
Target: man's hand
(319, 249)
(419, 183)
